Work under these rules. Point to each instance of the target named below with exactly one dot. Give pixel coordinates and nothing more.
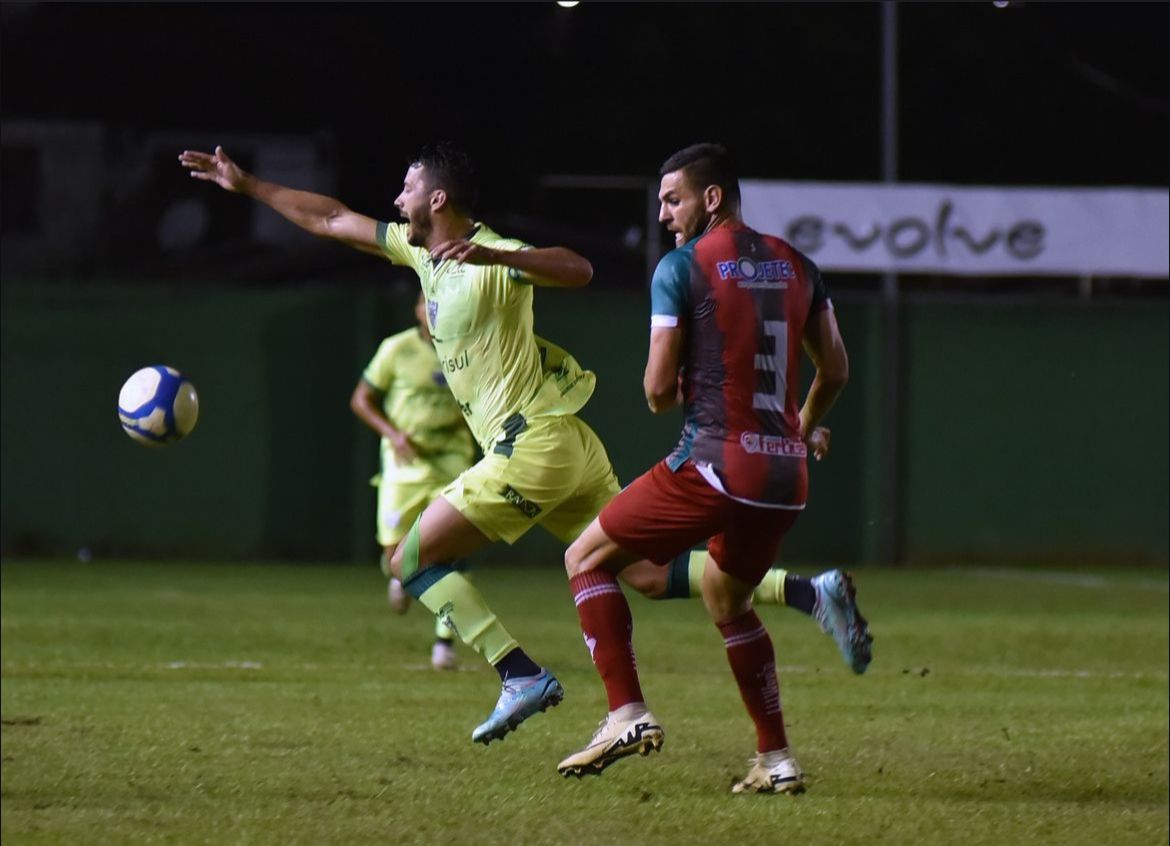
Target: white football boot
(628, 730)
(772, 772)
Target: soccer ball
(158, 406)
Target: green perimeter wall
(1032, 433)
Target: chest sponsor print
(750, 273)
(458, 362)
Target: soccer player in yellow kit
(403, 396)
(518, 394)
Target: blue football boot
(520, 699)
(836, 611)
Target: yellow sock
(695, 571)
(770, 590)
(458, 605)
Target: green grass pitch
(185, 703)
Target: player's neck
(722, 218)
(450, 229)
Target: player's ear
(438, 200)
(712, 198)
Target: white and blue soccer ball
(158, 405)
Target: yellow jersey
(480, 318)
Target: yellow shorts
(404, 491)
(558, 475)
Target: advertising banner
(966, 231)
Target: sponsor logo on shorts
(757, 274)
(753, 442)
(530, 509)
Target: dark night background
(961, 387)
(1030, 94)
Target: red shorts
(664, 513)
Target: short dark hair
(449, 168)
(706, 164)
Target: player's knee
(582, 556)
(651, 588)
(590, 551)
(387, 557)
(646, 579)
(393, 561)
(573, 559)
(723, 605)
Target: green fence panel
(1030, 432)
(1036, 432)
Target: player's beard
(418, 229)
(687, 233)
(703, 226)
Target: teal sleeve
(670, 289)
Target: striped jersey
(742, 299)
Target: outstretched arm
(555, 267)
(322, 216)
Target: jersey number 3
(776, 363)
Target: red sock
(753, 663)
(608, 629)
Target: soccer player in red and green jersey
(731, 310)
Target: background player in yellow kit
(403, 396)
